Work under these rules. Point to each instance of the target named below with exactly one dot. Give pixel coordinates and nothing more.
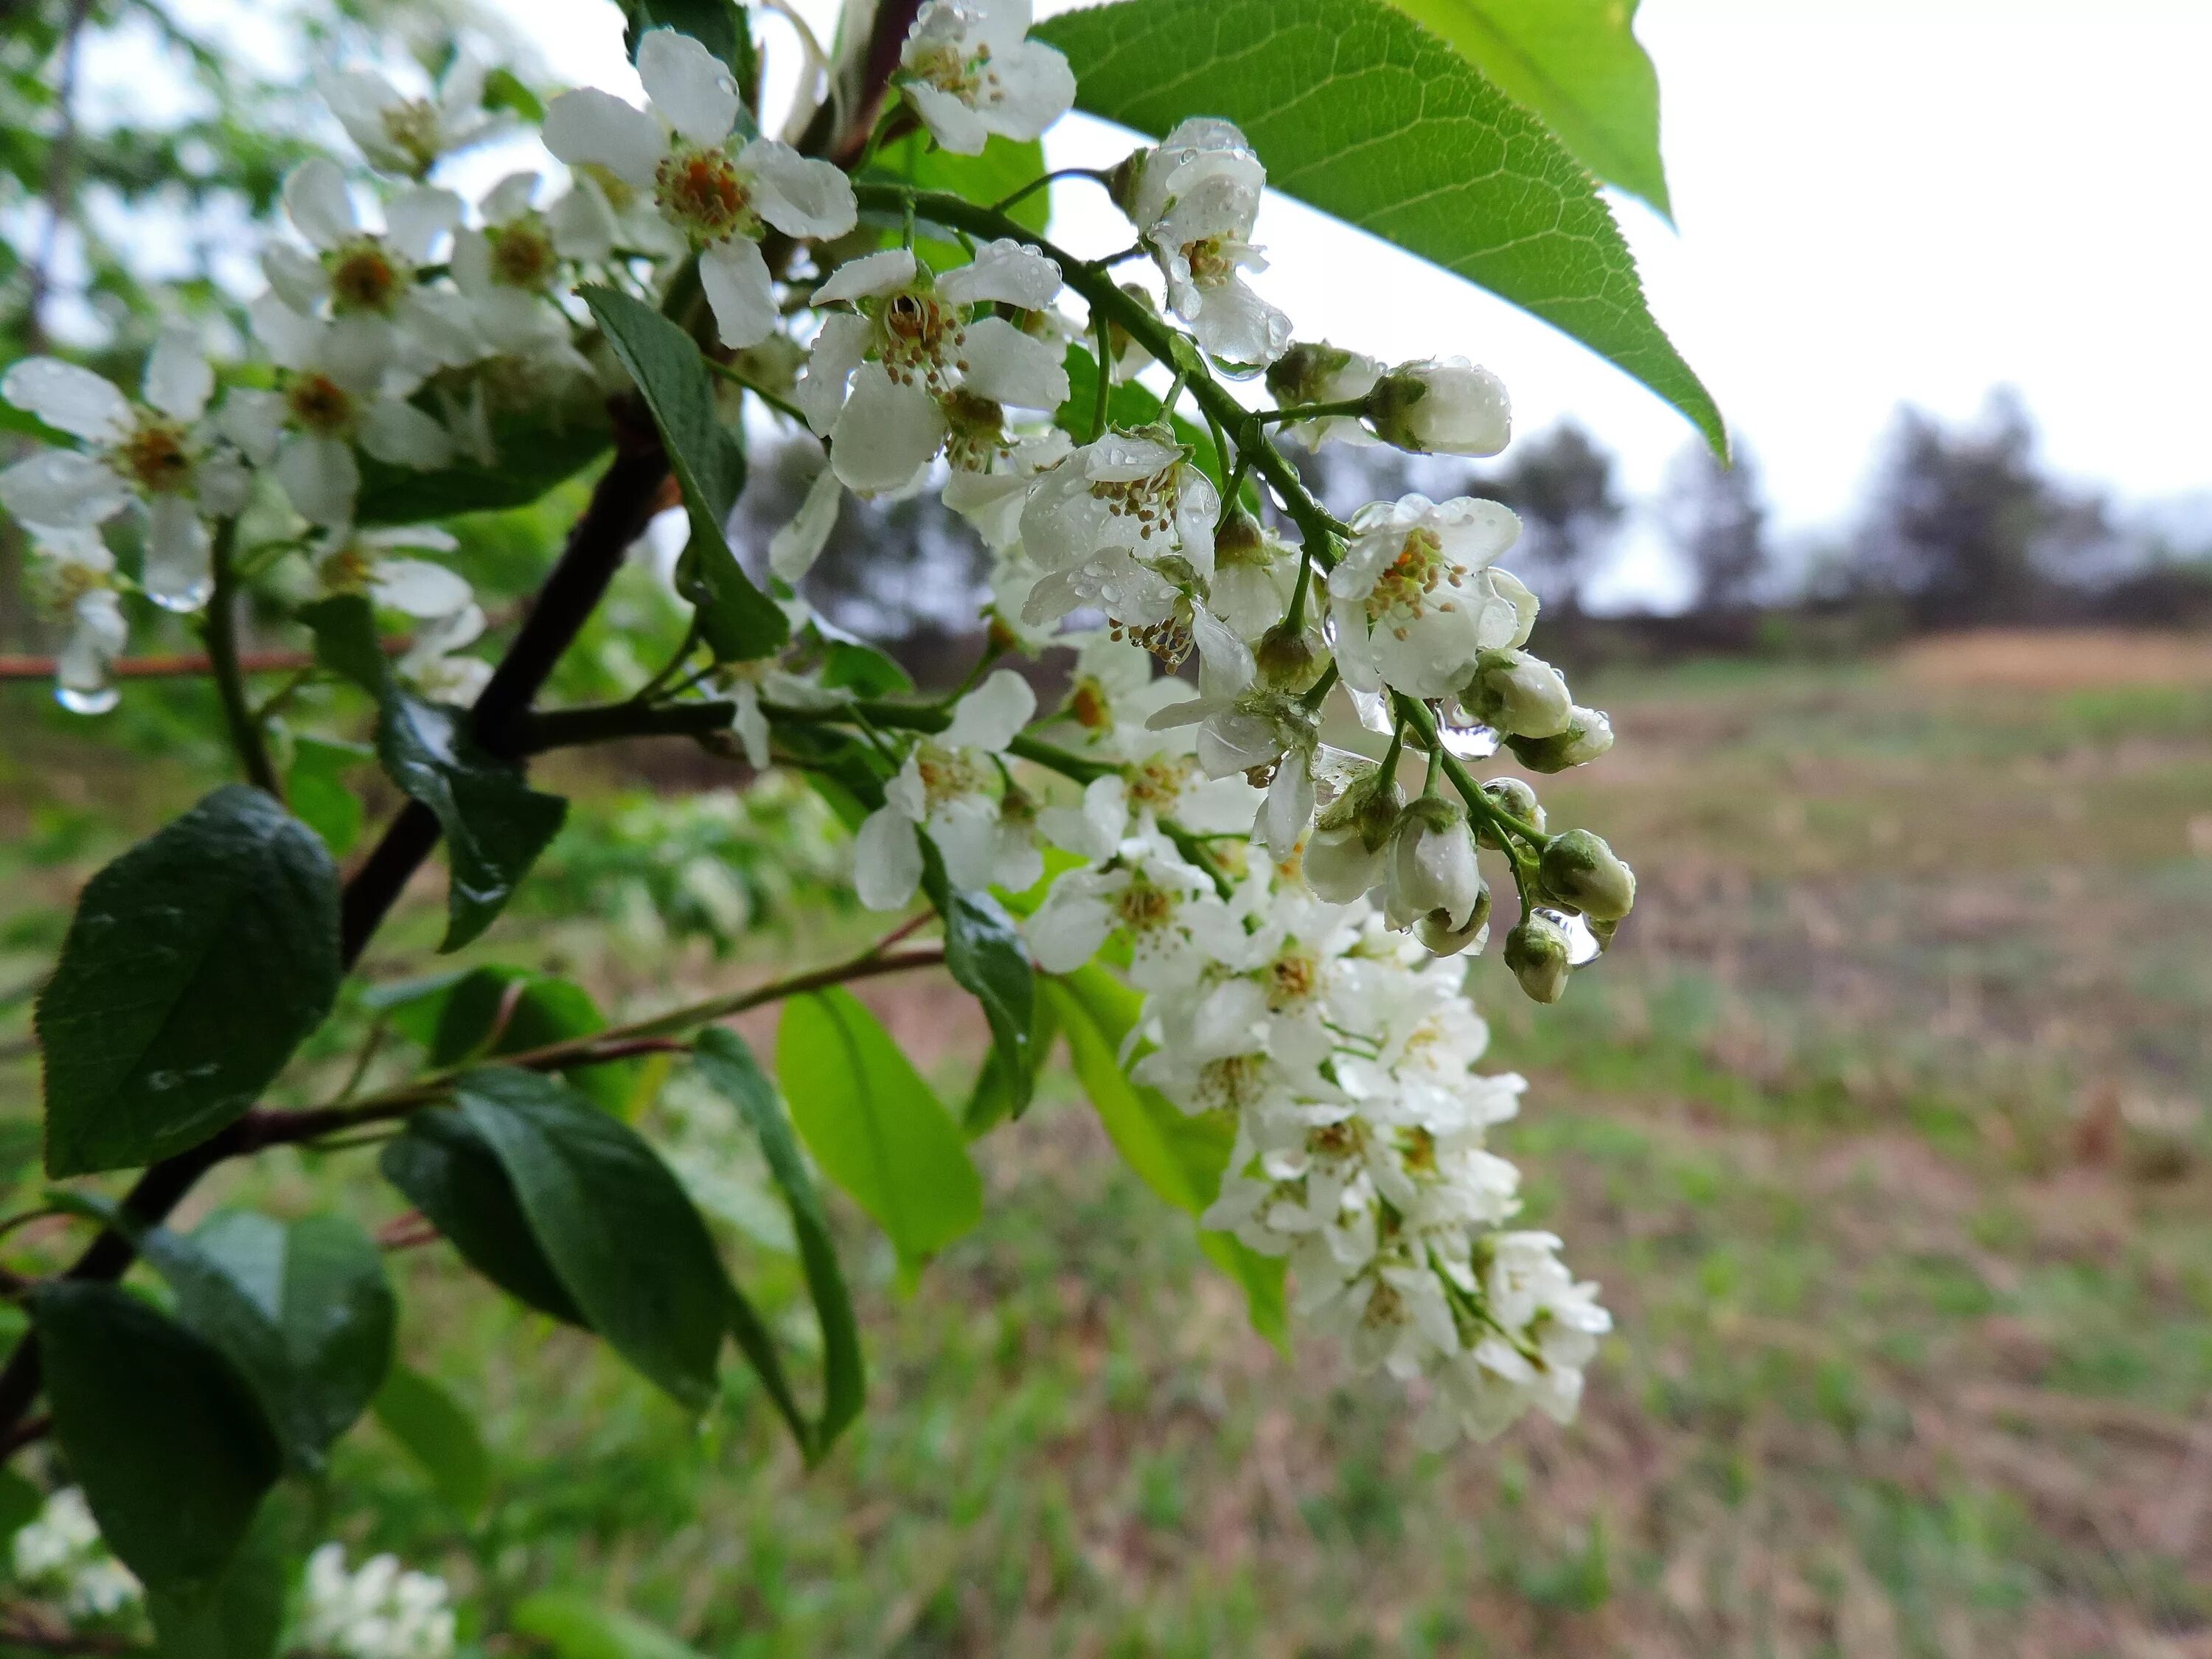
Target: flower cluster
(378, 1611)
(61, 1552)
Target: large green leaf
(164, 1435)
(874, 1127)
(450, 1173)
(614, 1222)
(494, 1009)
(240, 1616)
(985, 953)
(727, 1063)
(438, 1434)
(193, 967)
(1180, 1157)
(570, 1625)
(1359, 111)
(1575, 63)
(738, 621)
(536, 449)
(494, 824)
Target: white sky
(1878, 201)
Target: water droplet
(1469, 742)
(1582, 944)
(80, 700)
(1374, 712)
(191, 597)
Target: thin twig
(60, 163)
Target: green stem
(673, 666)
(1045, 182)
(220, 632)
(1104, 398)
(1478, 802)
(1352, 406)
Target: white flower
(992, 500)
(1431, 870)
(1347, 854)
(971, 72)
(62, 1550)
(1415, 600)
(1126, 525)
(720, 202)
(433, 663)
(1442, 406)
(945, 788)
(1323, 374)
(1194, 200)
(161, 451)
(910, 375)
(371, 278)
(366, 561)
(1164, 907)
(378, 1612)
(409, 135)
(508, 271)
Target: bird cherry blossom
(1416, 599)
(946, 788)
(1194, 200)
(971, 74)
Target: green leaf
(727, 1063)
(873, 1126)
(195, 965)
(20, 1502)
(991, 1102)
(738, 620)
(614, 1222)
(1360, 112)
(241, 1614)
(1180, 1157)
(494, 824)
(493, 1011)
(573, 1627)
(164, 1435)
(450, 1172)
(1578, 64)
(315, 787)
(984, 953)
(439, 1434)
(504, 90)
(537, 450)
(717, 25)
(1003, 167)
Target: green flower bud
(1536, 952)
(1289, 660)
(1580, 871)
(1346, 854)
(1436, 932)
(1517, 694)
(1515, 798)
(1307, 373)
(1589, 735)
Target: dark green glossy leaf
(346, 643)
(450, 1173)
(195, 965)
(1180, 1157)
(160, 1430)
(439, 1434)
(614, 1222)
(1360, 112)
(874, 1127)
(984, 951)
(241, 1614)
(572, 1626)
(991, 1102)
(726, 1062)
(538, 449)
(1576, 64)
(314, 786)
(738, 620)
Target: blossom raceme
(722, 202)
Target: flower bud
(1289, 660)
(1432, 870)
(1348, 850)
(1444, 406)
(1536, 952)
(1518, 695)
(1441, 940)
(1589, 735)
(1580, 871)
(1517, 798)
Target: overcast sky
(1878, 201)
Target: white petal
(1233, 322)
(793, 549)
(798, 196)
(292, 339)
(321, 476)
(419, 588)
(583, 224)
(68, 399)
(837, 352)
(1289, 808)
(887, 433)
(508, 199)
(179, 379)
(417, 219)
(1063, 936)
(1005, 272)
(955, 127)
(751, 726)
(692, 89)
(401, 434)
(62, 489)
(1009, 367)
(316, 198)
(295, 277)
(990, 715)
(966, 831)
(178, 574)
(738, 287)
(1037, 88)
(872, 275)
(596, 128)
(254, 421)
(222, 483)
(886, 859)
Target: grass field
(1882, 1126)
